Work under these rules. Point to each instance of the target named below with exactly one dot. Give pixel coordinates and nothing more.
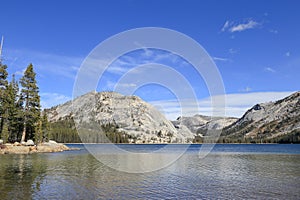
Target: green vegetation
(20, 113)
(32, 111)
(21, 118)
(64, 131)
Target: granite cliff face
(129, 114)
(199, 124)
(268, 121)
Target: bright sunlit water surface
(233, 171)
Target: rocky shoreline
(45, 147)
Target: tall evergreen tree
(3, 86)
(38, 136)
(42, 129)
(3, 76)
(30, 92)
(45, 127)
(14, 109)
(5, 131)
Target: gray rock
(1, 141)
(269, 120)
(201, 123)
(129, 113)
(29, 143)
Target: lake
(230, 171)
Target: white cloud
(238, 27)
(44, 63)
(125, 63)
(236, 104)
(147, 52)
(220, 59)
(269, 69)
(226, 25)
(241, 27)
(117, 69)
(52, 99)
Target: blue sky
(255, 45)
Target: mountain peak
(130, 114)
(268, 120)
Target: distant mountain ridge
(199, 124)
(265, 122)
(129, 114)
(270, 122)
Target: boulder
(29, 143)
(1, 141)
(52, 142)
(16, 144)
(51, 147)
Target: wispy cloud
(236, 104)
(226, 26)
(269, 69)
(141, 57)
(45, 63)
(287, 54)
(221, 59)
(232, 26)
(117, 68)
(52, 99)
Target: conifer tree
(42, 129)
(14, 109)
(30, 92)
(3, 86)
(45, 127)
(38, 136)
(5, 132)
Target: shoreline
(54, 147)
(46, 147)
(174, 143)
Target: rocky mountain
(199, 124)
(277, 121)
(129, 114)
(130, 119)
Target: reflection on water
(19, 175)
(229, 172)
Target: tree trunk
(23, 134)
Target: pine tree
(38, 136)
(14, 110)
(3, 76)
(5, 132)
(45, 127)
(30, 92)
(3, 86)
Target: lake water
(230, 171)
